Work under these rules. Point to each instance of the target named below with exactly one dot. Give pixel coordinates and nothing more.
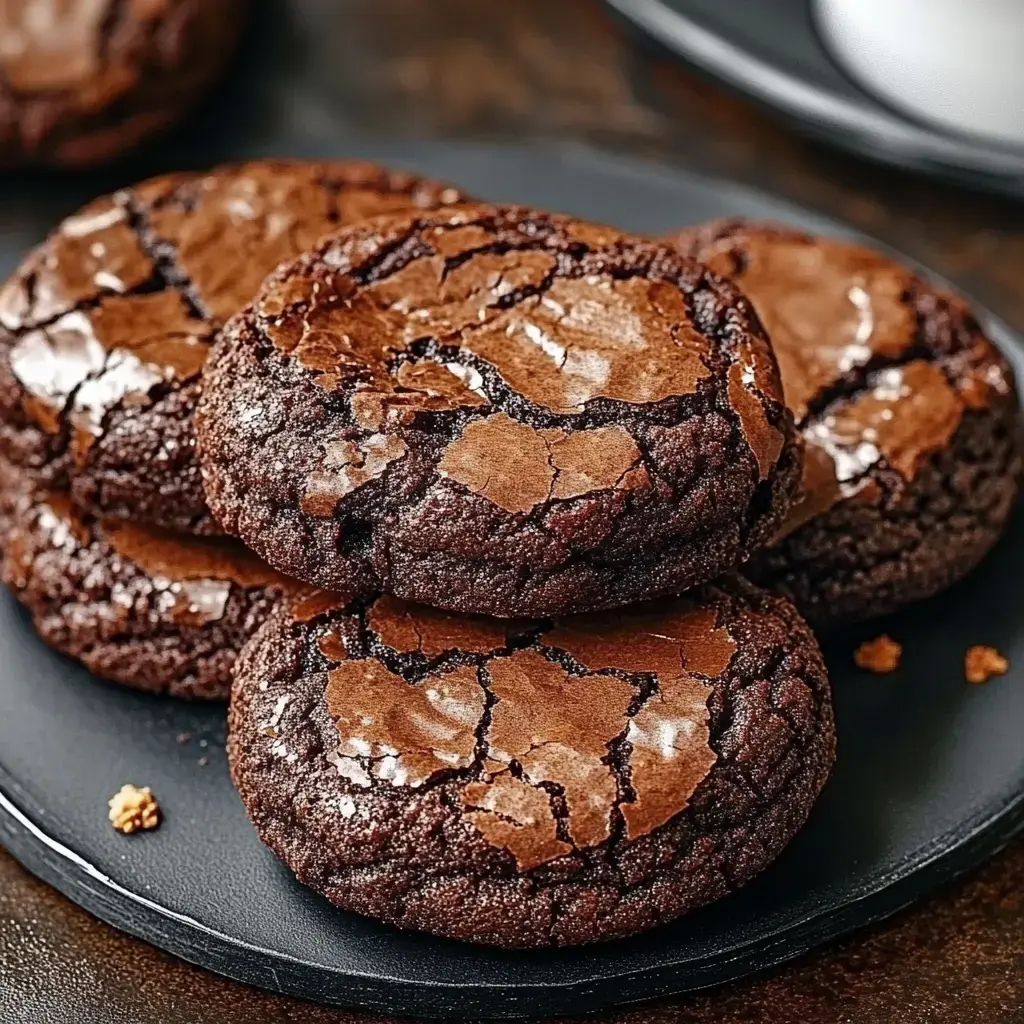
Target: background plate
(770, 50)
(929, 780)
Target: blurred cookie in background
(83, 81)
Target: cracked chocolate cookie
(530, 783)
(140, 606)
(82, 81)
(908, 413)
(105, 327)
(498, 411)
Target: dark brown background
(561, 69)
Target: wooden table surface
(563, 70)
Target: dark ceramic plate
(771, 51)
(929, 781)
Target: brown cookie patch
(565, 401)
(347, 466)
(137, 605)
(829, 307)
(105, 328)
(92, 252)
(506, 462)
(540, 771)
(201, 572)
(668, 642)
(400, 735)
(511, 814)
(628, 340)
(415, 628)
(558, 729)
(907, 413)
(546, 726)
(597, 337)
(317, 603)
(517, 467)
(419, 385)
(765, 440)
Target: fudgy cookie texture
(530, 783)
(908, 413)
(140, 606)
(498, 411)
(12, 486)
(82, 81)
(105, 327)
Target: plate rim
(882, 135)
(956, 852)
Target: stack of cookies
(454, 499)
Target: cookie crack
(920, 503)
(390, 258)
(923, 347)
(162, 253)
(602, 882)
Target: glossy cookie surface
(137, 605)
(500, 411)
(907, 412)
(105, 327)
(531, 784)
(82, 81)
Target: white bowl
(956, 63)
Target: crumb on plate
(879, 655)
(981, 663)
(134, 810)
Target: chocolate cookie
(531, 784)
(105, 327)
(140, 606)
(496, 410)
(12, 486)
(81, 81)
(908, 414)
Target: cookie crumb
(203, 762)
(134, 810)
(879, 655)
(183, 737)
(981, 663)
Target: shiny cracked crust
(531, 783)
(81, 81)
(496, 410)
(907, 412)
(137, 605)
(104, 329)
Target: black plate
(929, 782)
(771, 50)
